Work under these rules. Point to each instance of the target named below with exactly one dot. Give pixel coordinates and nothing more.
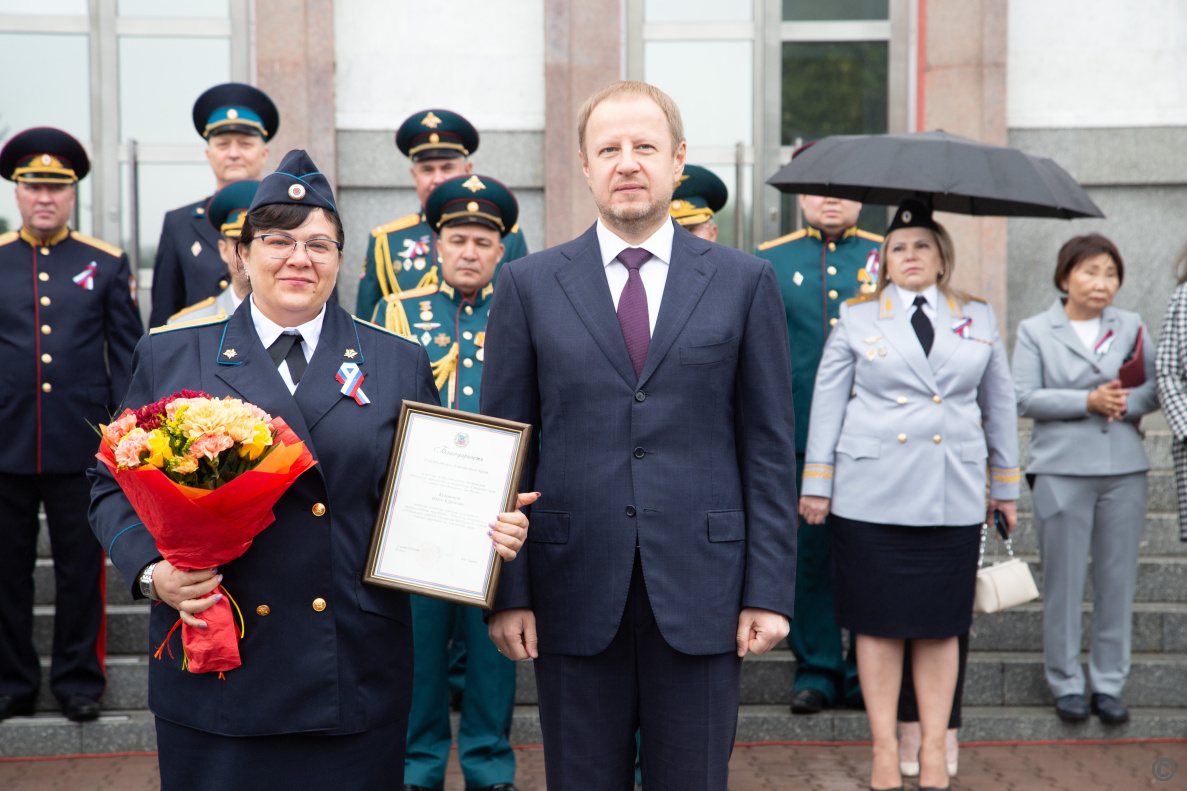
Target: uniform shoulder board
(873, 237)
(860, 298)
(384, 330)
(423, 291)
(8, 238)
(515, 228)
(397, 225)
(971, 298)
(191, 323)
(110, 249)
(791, 237)
(196, 306)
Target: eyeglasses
(281, 246)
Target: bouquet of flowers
(203, 474)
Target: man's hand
(510, 530)
(759, 630)
(183, 590)
(514, 633)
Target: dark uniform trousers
(68, 324)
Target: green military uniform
(402, 254)
(816, 274)
(452, 329)
(700, 193)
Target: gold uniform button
(468, 362)
(467, 390)
(319, 509)
(902, 437)
(832, 322)
(263, 609)
(46, 387)
(43, 276)
(319, 604)
(832, 270)
(45, 329)
(832, 294)
(936, 398)
(936, 439)
(902, 399)
(469, 310)
(467, 335)
(832, 246)
(222, 284)
(44, 300)
(45, 251)
(45, 358)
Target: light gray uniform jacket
(897, 437)
(1053, 374)
(221, 305)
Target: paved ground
(1059, 767)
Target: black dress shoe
(808, 701)
(1072, 708)
(1109, 709)
(496, 787)
(80, 708)
(15, 707)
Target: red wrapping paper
(203, 528)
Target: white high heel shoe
(952, 748)
(910, 740)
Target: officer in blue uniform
(226, 212)
(818, 268)
(68, 324)
(471, 216)
(698, 196)
(237, 121)
(402, 254)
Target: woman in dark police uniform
(321, 699)
(913, 397)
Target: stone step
(1159, 537)
(1160, 579)
(127, 684)
(43, 584)
(127, 628)
(1158, 627)
(133, 731)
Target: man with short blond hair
(653, 366)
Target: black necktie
(288, 348)
(922, 325)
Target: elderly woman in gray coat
(1088, 470)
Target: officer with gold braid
(403, 254)
(472, 217)
(698, 196)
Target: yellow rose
(253, 446)
(185, 465)
(158, 449)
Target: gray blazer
(1053, 374)
(897, 437)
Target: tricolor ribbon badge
(86, 278)
(1102, 346)
(963, 326)
(352, 382)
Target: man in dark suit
(654, 366)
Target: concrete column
(964, 92)
(583, 52)
(295, 66)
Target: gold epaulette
(397, 225)
(860, 298)
(791, 237)
(384, 330)
(110, 249)
(515, 228)
(423, 291)
(8, 238)
(873, 237)
(185, 325)
(196, 306)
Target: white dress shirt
(269, 331)
(653, 272)
(907, 298)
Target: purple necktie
(632, 308)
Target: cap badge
(232, 113)
(431, 121)
(434, 138)
(297, 192)
(46, 159)
(472, 206)
(473, 184)
(906, 216)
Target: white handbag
(1002, 585)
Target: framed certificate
(450, 473)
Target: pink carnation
(210, 445)
(127, 453)
(120, 427)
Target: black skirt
(193, 760)
(910, 583)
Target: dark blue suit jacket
(345, 669)
(695, 459)
(181, 276)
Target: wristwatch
(146, 588)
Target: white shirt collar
(269, 330)
(907, 298)
(235, 300)
(659, 244)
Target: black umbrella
(950, 172)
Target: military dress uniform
(816, 274)
(188, 268)
(68, 325)
(452, 329)
(699, 195)
(402, 254)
